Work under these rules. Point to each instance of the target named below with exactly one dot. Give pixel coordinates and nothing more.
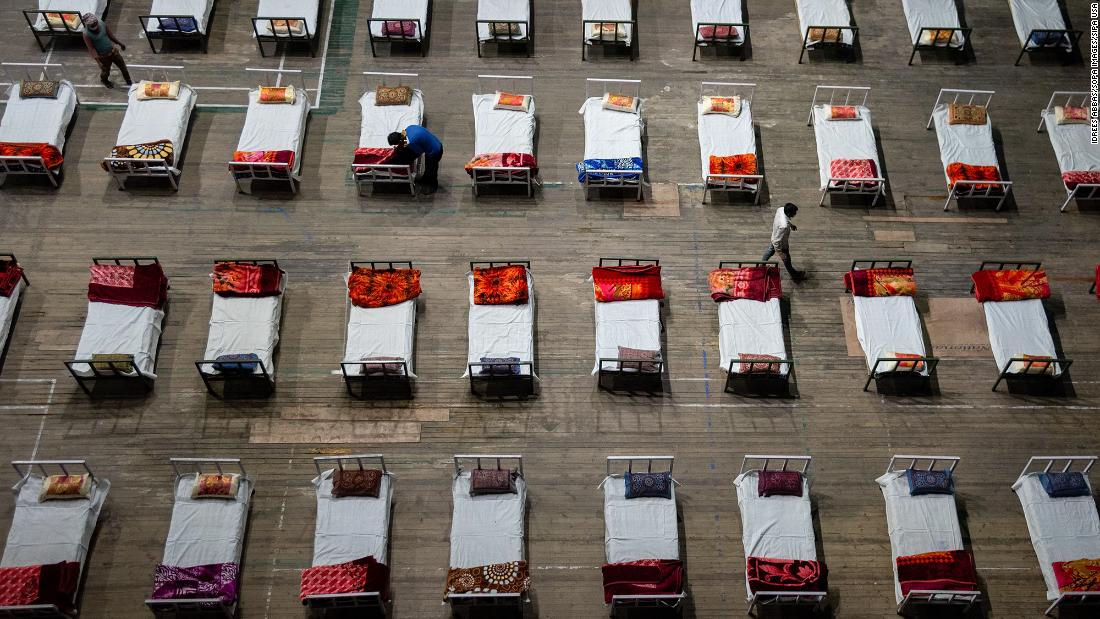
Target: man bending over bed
(419, 141)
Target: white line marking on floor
(324, 54)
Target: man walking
(420, 141)
(781, 232)
(104, 47)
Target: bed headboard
(604, 86)
(24, 468)
(250, 261)
(982, 98)
(914, 461)
(358, 460)
(898, 263)
(294, 76)
(1060, 464)
(518, 84)
(1064, 97)
(1002, 265)
(375, 79)
(136, 260)
(740, 264)
(488, 264)
(618, 262)
(161, 72)
(186, 466)
(838, 95)
(614, 462)
(777, 463)
(46, 70)
(497, 461)
(727, 89)
(380, 265)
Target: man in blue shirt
(104, 47)
(420, 141)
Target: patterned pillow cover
(273, 94)
(930, 482)
(512, 101)
(177, 24)
(286, 27)
(492, 481)
(903, 366)
(382, 287)
(59, 21)
(730, 106)
(503, 285)
(393, 95)
(1062, 485)
(758, 368)
(498, 367)
(733, 164)
(1035, 364)
(44, 89)
(216, 486)
(718, 32)
(381, 366)
(824, 35)
(843, 112)
(504, 29)
(608, 32)
(958, 114)
(121, 362)
(779, 483)
(65, 487)
(620, 103)
(357, 482)
(850, 169)
(648, 485)
(1067, 115)
(158, 90)
(236, 364)
(402, 29)
(938, 37)
(647, 357)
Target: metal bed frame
(626, 374)
(912, 373)
(933, 597)
(18, 305)
(201, 607)
(614, 40)
(394, 382)
(370, 603)
(32, 166)
(497, 600)
(225, 386)
(826, 30)
(781, 599)
(962, 52)
(46, 468)
(420, 36)
(662, 601)
(872, 186)
(177, 33)
(751, 184)
(714, 41)
(386, 174)
(618, 179)
(1083, 191)
(527, 40)
(521, 176)
(769, 379)
(283, 34)
(502, 385)
(55, 32)
(115, 374)
(1060, 364)
(1073, 37)
(969, 189)
(245, 172)
(122, 168)
(1081, 464)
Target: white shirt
(781, 230)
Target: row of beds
(933, 24)
(250, 325)
(489, 530)
(609, 135)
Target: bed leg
(1021, 55)
(1001, 202)
(51, 175)
(370, 37)
(824, 192)
(914, 53)
(38, 40)
(1000, 377)
(947, 204)
(694, 51)
(1065, 204)
(802, 53)
(867, 384)
(705, 190)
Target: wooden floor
(566, 433)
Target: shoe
(108, 83)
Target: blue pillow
(499, 370)
(655, 485)
(929, 482)
(182, 24)
(1061, 485)
(237, 364)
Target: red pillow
(398, 28)
(770, 368)
(779, 483)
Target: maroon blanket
(646, 577)
(359, 576)
(10, 274)
(881, 282)
(140, 286)
(627, 283)
(55, 584)
(786, 575)
(951, 570)
(754, 283)
(233, 279)
(216, 580)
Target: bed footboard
(830, 32)
(1070, 41)
(931, 597)
(734, 183)
(267, 31)
(914, 373)
(166, 27)
(627, 375)
(779, 599)
(244, 172)
(1034, 369)
(994, 190)
(503, 176)
(762, 377)
(195, 608)
(1075, 599)
(382, 174)
(627, 40)
(67, 26)
(369, 602)
(671, 601)
(940, 42)
(392, 383)
(615, 179)
(417, 36)
(231, 386)
(122, 169)
(118, 379)
(1080, 192)
(32, 166)
(869, 186)
(713, 40)
(496, 380)
(497, 600)
(525, 39)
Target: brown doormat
(848, 315)
(956, 328)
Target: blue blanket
(587, 168)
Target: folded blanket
(503, 160)
(364, 575)
(1073, 179)
(263, 156)
(786, 575)
(754, 283)
(382, 287)
(161, 150)
(10, 274)
(965, 172)
(1079, 575)
(140, 286)
(627, 283)
(719, 32)
(215, 580)
(1010, 285)
(511, 577)
(853, 169)
(503, 285)
(55, 584)
(49, 153)
(881, 282)
(591, 167)
(950, 570)
(734, 165)
(646, 577)
(232, 279)
(380, 156)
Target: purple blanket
(216, 580)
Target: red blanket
(755, 283)
(383, 287)
(141, 286)
(373, 156)
(263, 156)
(881, 282)
(627, 283)
(951, 570)
(55, 584)
(646, 577)
(1010, 285)
(232, 279)
(1073, 179)
(49, 153)
(786, 575)
(965, 172)
(10, 274)
(852, 169)
(503, 160)
(1079, 575)
(359, 576)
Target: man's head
(396, 138)
(790, 209)
(90, 21)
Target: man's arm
(91, 48)
(111, 35)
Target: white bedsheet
(972, 144)
(1018, 328)
(1064, 529)
(120, 329)
(206, 531)
(1071, 146)
(53, 531)
(612, 10)
(824, 13)
(499, 331)
(275, 126)
(381, 332)
(199, 9)
(79, 6)
(609, 134)
(488, 528)
(932, 14)
(717, 12)
(723, 135)
(7, 313)
(400, 10)
(157, 119)
(37, 119)
(351, 527)
(887, 325)
(750, 327)
(503, 10)
(379, 121)
(502, 131)
(775, 527)
(1028, 15)
(308, 10)
(636, 529)
(843, 139)
(243, 325)
(917, 524)
(632, 324)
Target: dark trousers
(430, 178)
(785, 256)
(105, 63)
